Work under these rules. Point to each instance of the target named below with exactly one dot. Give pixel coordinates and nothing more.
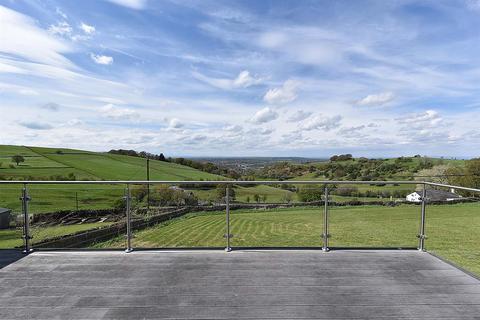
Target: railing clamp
(27, 198)
(422, 236)
(327, 236)
(229, 236)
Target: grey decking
(236, 285)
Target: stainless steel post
(421, 235)
(325, 234)
(128, 198)
(26, 220)
(227, 208)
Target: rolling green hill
(43, 163)
(67, 164)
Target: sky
(242, 78)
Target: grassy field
(42, 163)
(12, 238)
(453, 230)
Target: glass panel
(283, 215)
(11, 222)
(179, 216)
(373, 215)
(74, 215)
(453, 230)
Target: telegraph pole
(76, 200)
(148, 185)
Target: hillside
(55, 163)
(402, 168)
(68, 164)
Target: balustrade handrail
(238, 182)
(421, 236)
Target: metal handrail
(209, 182)
(421, 235)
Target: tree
(221, 192)
(17, 159)
(161, 157)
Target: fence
(329, 209)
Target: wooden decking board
(236, 285)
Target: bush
(168, 196)
(310, 193)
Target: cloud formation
(286, 93)
(101, 59)
(87, 28)
(376, 99)
(132, 4)
(264, 115)
(175, 124)
(243, 80)
(322, 122)
(113, 112)
(20, 34)
(299, 115)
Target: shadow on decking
(8, 256)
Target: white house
(433, 195)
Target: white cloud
(376, 99)
(287, 93)
(429, 116)
(243, 80)
(101, 59)
(87, 28)
(111, 111)
(175, 124)
(21, 37)
(299, 115)
(321, 122)
(62, 28)
(264, 115)
(132, 4)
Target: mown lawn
(12, 238)
(453, 230)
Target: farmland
(453, 230)
(65, 164)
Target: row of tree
(141, 154)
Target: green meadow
(47, 163)
(453, 230)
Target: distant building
(5, 218)
(433, 195)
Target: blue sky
(242, 78)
